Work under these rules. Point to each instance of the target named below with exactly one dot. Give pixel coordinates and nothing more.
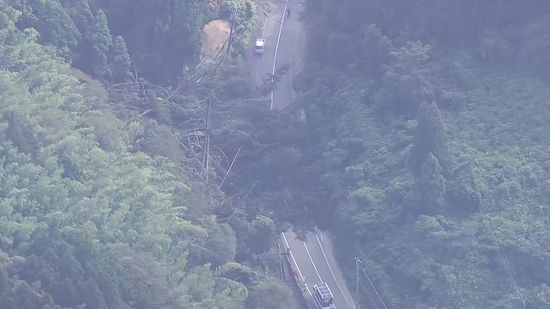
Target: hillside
(135, 175)
(105, 202)
(427, 154)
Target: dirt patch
(214, 39)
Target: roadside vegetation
(115, 156)
(132, 177)
(428, 151)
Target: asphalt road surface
(285, 44)
(315, 263)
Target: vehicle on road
(322, 295)
(259, 47)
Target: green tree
(240, 13)
(262, 236)
(432, 183)
(120, 61)
(53, 24)
(91, 294)
(464, 188)
(162, 37)
(84, 221)
(81, 14)
(361, 137)
(239, 273)
(21, 134)
(430, 137)
(377, 49)
(407, 79)
(101, 42)
(220, 245)
(270, 295)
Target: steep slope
(425, 149)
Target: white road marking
(277, 48)
(313, 263)
(330, 269)
(296, 264)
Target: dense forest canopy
(133, 177)
(428, 155)
(104, 203)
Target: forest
(106, 198)
(428, 157)
(133, 177)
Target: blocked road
(285, 45)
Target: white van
(259, 47)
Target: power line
(507, 267)
(356, 259)
(368, 292)
(372, 285)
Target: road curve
(313, 260)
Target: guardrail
(291, 272)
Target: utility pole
(357, 261)
(206, 151)
(230, 38)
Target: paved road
(315, 263)
(285, 44)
